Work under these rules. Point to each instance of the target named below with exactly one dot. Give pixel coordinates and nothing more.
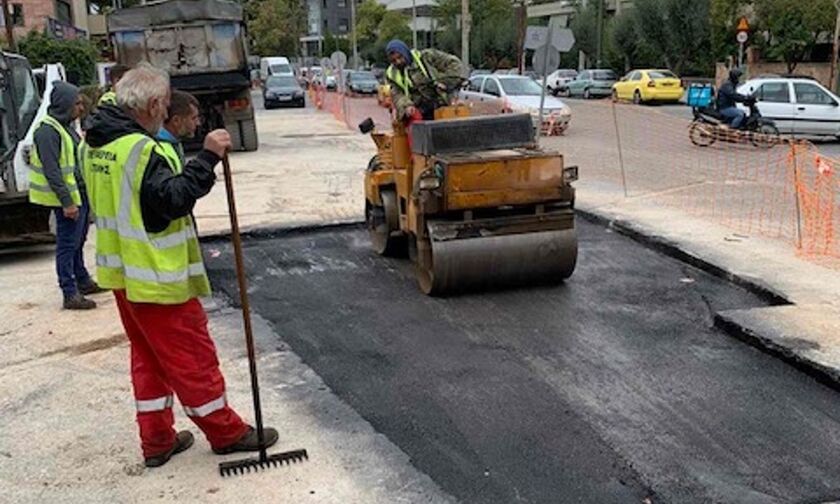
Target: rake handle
(236, 238)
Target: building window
(64, 12)
(343, 24)
(341, 3)
(17, 14)
(324, 4)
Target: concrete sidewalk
(69, 433)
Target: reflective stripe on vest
(207, 408)
(402, 79)
(40, 191)
(108, 98)
(162, 268)
(156, 404)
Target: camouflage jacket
(441, 67)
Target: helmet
(735, 74)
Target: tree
(78, 56)
(492, 36)
(275, 26)
(368, 18)
(793, 27)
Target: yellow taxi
(643, 86)
(383, 95)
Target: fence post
(796, 185)
(620, 152)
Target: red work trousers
(171, 350)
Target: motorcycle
(709, 126)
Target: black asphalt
(611, 388)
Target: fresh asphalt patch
(614, 387)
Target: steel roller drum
(488, 262)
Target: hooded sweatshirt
(164, 196)
(48, 141)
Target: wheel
(383, 222)
(586, 94)
(766, 136)
(248, 135)
(637, 97)
(702, 134)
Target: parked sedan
(644, 86)
(592, 83)
(517, 93)
(280, 90)
(361, 83)
(558, 80)
(799, 106)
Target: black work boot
(250, 442)
(78, 302)
(91, 288)
(183, 440)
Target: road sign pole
(740, 55)
(548, 48)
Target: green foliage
(332, 44)
(78, 56)
(275, 26)
(793, 27)
(492, 37)
(368, 17)
(375, 27)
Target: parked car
(282, 90)
(644, 86)
(592, 83)
(557, 80)
(479, 72)
(361, 83)
(518, 93)
(799, 106)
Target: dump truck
(473, 201)
(202, 45)
(21, 110)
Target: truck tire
(245, 136)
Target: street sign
(546, 60)
(743, 25)
(742, 37)
(536, 37)
(326, 63)
(338, 59)
(562, 39)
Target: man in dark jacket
(728, 99)
(55, 159)
(148, 253)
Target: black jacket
(164, 196)
(728, 96)
(48, 141)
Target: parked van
(275, 66)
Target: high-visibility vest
(402, 79)
(108, 98)
(160, 268)
(40, 191)
(175, 158)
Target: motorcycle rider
(728, 98)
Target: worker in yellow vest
(115, 73)
(148, 253)
(55, 180)
(420, 80)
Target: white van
(275, 66)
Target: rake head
(256, 464)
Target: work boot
(183, 440)
(250, 442)
(91, 288)
(78, 302)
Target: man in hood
(728, 99)
(148, 253)
(56, 181)
(420, 81)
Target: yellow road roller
(474, 202)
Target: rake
(264, 461)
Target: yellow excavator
(475, 202)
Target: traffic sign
(546, 60)
(743, 25)
(536, 37)
(326, 63)
(338, 59)
(742, 37)
(562, 39)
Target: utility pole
(465, 35)
(9, 22)
(522, 27)
(353, 35)
(832, 79)
(599, 47)
(414, 23)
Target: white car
(518, 93)
(798, 106)
(558, 79)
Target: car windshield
(518, 86)
(281, 69)
(567, 73)
(661, 74)
(26, 92)
(282, 81)
(362, 77)
(603, 75)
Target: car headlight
(270, 94)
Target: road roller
(474, 202)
